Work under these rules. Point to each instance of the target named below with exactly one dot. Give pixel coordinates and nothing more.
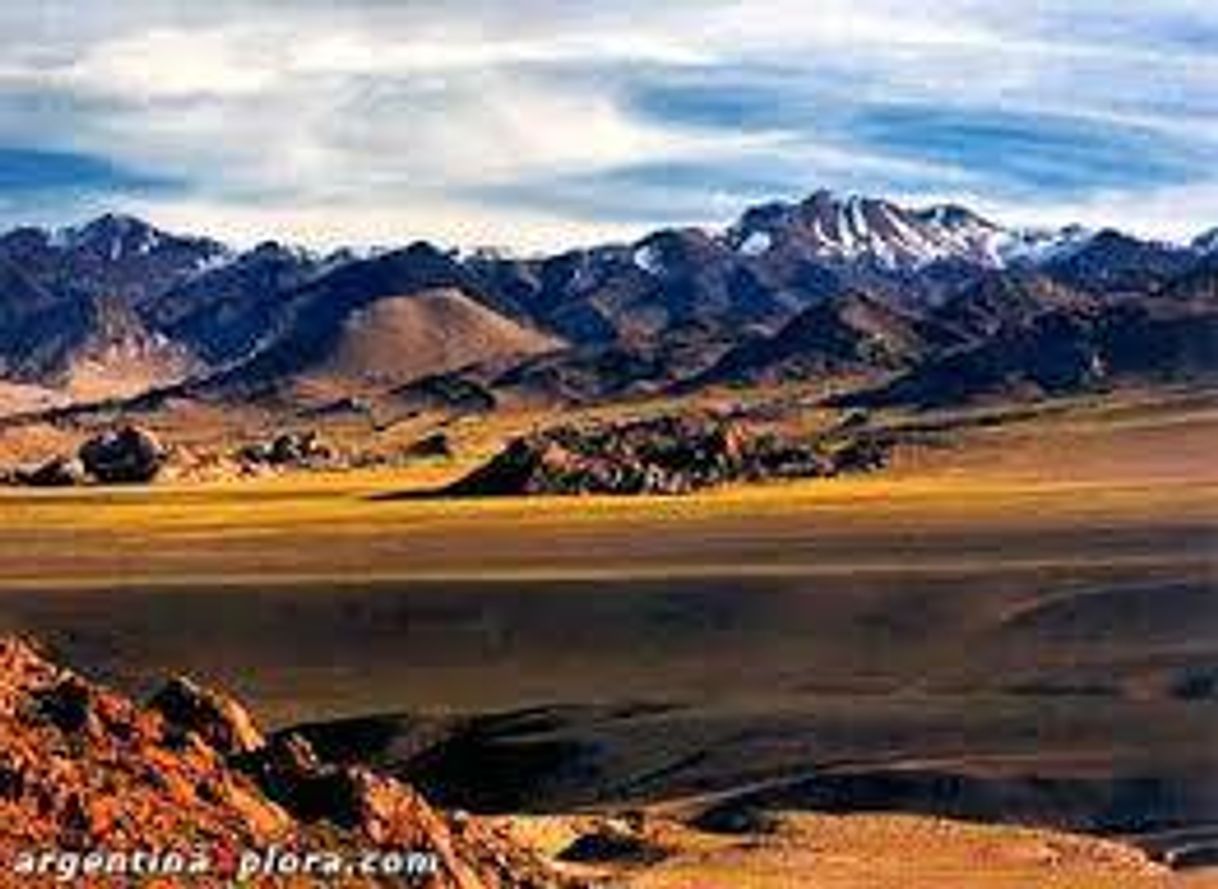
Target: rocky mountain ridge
(139, 308)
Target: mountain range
(928, 306)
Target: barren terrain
(1015, 623)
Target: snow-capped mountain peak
(1206, 243)
(853, 228)
(115, 237)
(1033, 246)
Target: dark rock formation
(664, 455)
(58, 472)
(216, 718)
(435, 445)
(608, 845)
(455, 392)
(290, 772)
(129, 455)
(289, 449)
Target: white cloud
(355, 53)
(357, 121)
(444, 221)
(846, 26)
(352, 128)
(171, 63)
(1176, 213)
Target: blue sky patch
(1033, 153)
(34, 172)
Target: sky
(535, 124)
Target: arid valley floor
(1016, 628)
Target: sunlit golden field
(1149, 471)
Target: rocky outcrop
(58, 472)
(129, 455)
(664, 455)
(216, 718)
(81, 767)
(435, 445)
(84, 768)
(302, 450)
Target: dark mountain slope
(671, 280)
(1066, 351)
(38, 329)
(313, 316)
(1002, 300)
(1113, 263)
(226, 313)
(111, 256)
(1199, 285)
(851, 333)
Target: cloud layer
(548, 122)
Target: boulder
(216, 718)
(861, 454)
(129, 455)
(436, 444)
(68, 704)
(58, 472)
(289, 771)
(611, 846)
(299, 449)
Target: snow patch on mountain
(115, 237)
(1206, 243)
(861, 230)
(756, 244)
(1036, 246)
(647, 258)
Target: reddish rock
(216, 718)
(82, 768)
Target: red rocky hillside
(83, 768)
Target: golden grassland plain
(1102, 468)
